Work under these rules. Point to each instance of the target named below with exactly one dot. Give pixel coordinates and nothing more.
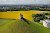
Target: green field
(21, 26)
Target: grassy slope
(20, 26)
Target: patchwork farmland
(9, 23)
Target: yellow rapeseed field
(16, 14)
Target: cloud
(24, 1)
(43, 1)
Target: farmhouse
(46, 23)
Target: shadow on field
(25, 20)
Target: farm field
(37, 11)
(16, 14)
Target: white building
(46, 23)
(41, 21)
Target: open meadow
(21, 26)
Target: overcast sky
(24, 1)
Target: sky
(25, 2)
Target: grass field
(37, 11)
(21, 26)
(16, 14)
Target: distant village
(4, 8)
